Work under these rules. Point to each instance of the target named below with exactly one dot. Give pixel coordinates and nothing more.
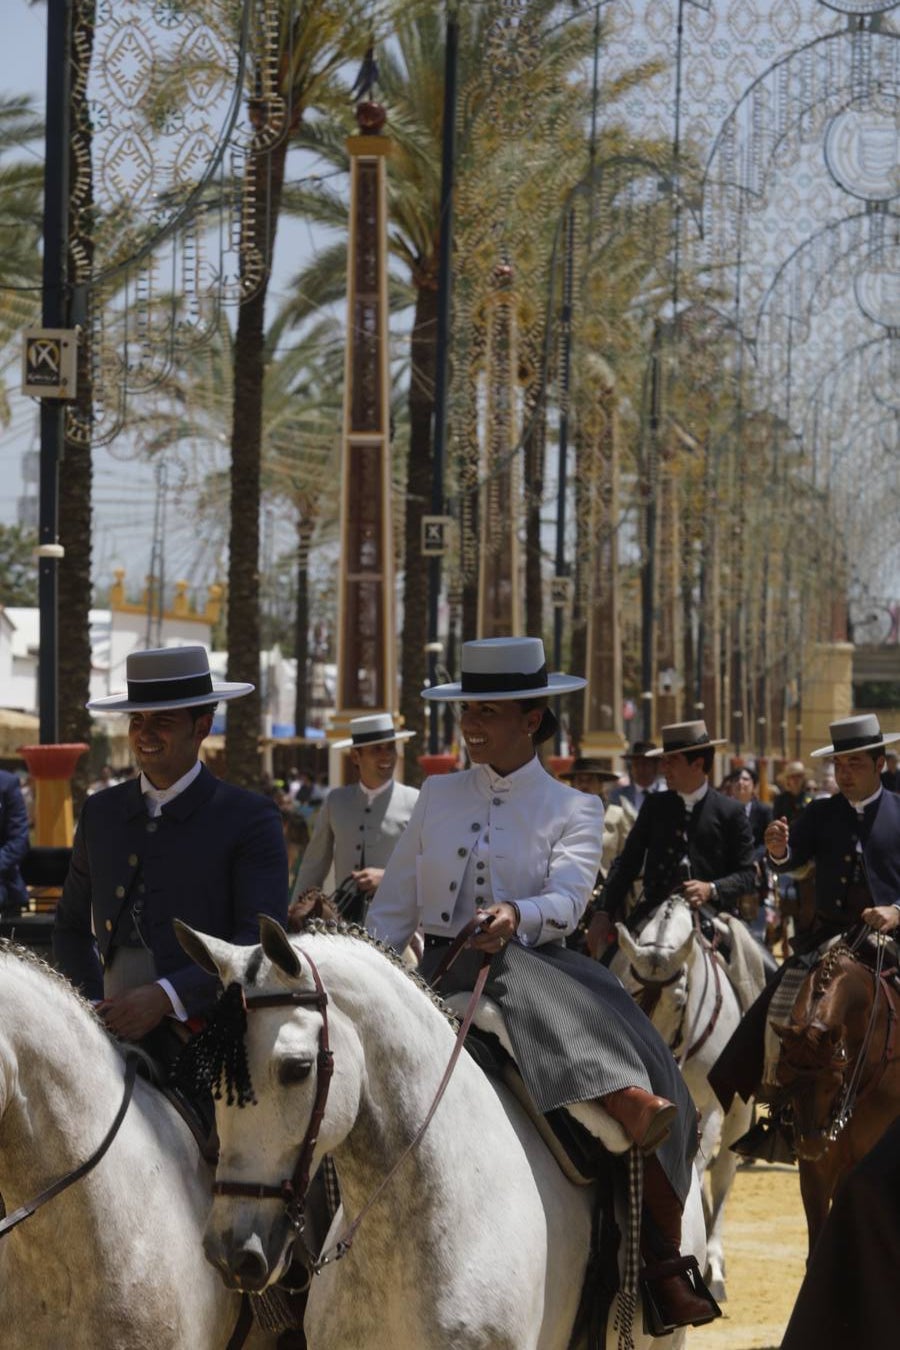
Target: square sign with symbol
(49, 363)
(435, 530)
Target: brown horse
(839, 1070)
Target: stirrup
(658, 1320)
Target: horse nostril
(250, 1270)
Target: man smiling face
(166, 743)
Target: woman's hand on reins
(498, 925)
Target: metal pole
(442, 344)
(54, 315)
(648, 570)
(565, 379)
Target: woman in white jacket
(509, 844)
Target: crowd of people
(536, 870)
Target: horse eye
(294, 1070)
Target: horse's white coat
(115, 1262)
(477, 1243)
(668, 946)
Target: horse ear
(277, 946)
(198, 947)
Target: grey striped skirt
(577, 1035)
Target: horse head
(810, 1072)
(265, 1119)
(662, 947)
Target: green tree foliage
(18, 570)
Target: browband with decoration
(475, 682)
(156, 691)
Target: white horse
(115, 1262)
(681, 985)
(476, 1242)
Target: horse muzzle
(248, 1263)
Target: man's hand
(498, 924)
(368, 879)
(776, 838)
(598, 934)
(696, 893)
(883, 918)
(136, 1012)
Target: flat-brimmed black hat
(588, 764)
(640, 749)
(682, 736)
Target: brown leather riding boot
(672, 1286)
(646, 1119)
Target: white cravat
(155, 799)
(372, 793)
(691, 799)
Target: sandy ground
(765, 1254)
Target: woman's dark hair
(548, 724)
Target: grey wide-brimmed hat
(855, 733)
(682, 736)
(169, 677)
(373, 729)
(495, 669)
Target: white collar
(372, 793)
(859, 807)
(497, 782)
(158, 797)
(691, 799)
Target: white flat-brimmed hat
(855, 733)
(681, 736)
(373, 729)
(169, 677)
(495, 669)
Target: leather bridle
(293, 1190)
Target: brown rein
(651, 992)
(25, 1211)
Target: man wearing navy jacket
(13, 843)
(690, 839)
(854, 839)
(176, 842)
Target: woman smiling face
(499, 734)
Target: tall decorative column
(499, 588)
(603, 734)
(366, 648)
(669, 679)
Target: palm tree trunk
(74, 585)
(243, 627)
(533, 454)
(418, 503)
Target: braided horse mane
(216, 1059)
(827, 967)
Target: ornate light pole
(366, 655)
